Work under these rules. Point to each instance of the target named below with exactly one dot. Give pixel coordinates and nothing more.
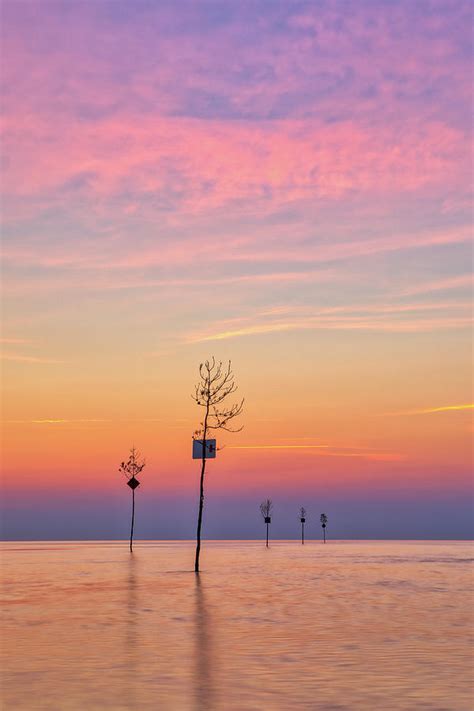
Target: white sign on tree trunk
(210, 449)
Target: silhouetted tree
(266, 511)
(215, 385)
(131, 469)
(324, 519)
(303, 521)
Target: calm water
(350, 625)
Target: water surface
(350, 625)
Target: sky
(282, 184)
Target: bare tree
(216, 383)
(266, 511)
(303, 521)
(324, 519)
(131, 469)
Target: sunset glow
(285, 185)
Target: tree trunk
(201, 491)
(302, 533)
(133, 520)
(201, 506)
(267, 535)
(324, 534)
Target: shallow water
(350, 625)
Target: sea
(344, 625)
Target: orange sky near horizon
(317, 427)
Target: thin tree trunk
(201, 493)
(133, 520)
(302, 533)
(267, 535)
(324, 534)
(201, 506)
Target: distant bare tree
(131, 469)
(215, 385)
(266, 511)
(303, 521)
(324, 519)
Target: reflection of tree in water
(204, 692)
(131, 670)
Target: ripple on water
(351, 625)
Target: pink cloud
(328, 112)
(205, 165)
(325, 105)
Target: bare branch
(266, 508)
(214, 387)
(134, 465)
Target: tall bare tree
(131, 469)
(216, 383)
(303, 521)
(266, 511)
(324, 519)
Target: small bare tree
(324, 519)
(216, 383)
(303, 521)
(266, 511)
(131, 469)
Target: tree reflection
(131, 634)
(203, 686)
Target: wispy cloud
(360, 325)
(377, 317)
(279, 446)
(456, 282)
(50, 421)
(116, 280)
(263, 245)
(15, 357)
(433, 410)
(62, 421)
(326, 450)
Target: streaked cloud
(279, 446)
(262, 246)
(457, 282)
(18, 358)
(326, 450)
(378, 317)
(61, 421)
(116, 281)
(433, 410)
(50, 421)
